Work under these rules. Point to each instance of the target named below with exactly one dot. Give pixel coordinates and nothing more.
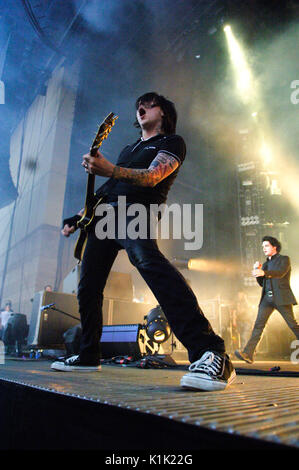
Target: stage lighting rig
(157, 326)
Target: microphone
(45, 307)
(257, 265)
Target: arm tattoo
(161, 167)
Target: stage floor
(255, 406)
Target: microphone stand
(64, 313)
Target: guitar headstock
(103, 131)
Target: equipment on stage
(116, 340)
(134, 340)
(49, 322)
(157, 326)
(125, 340)
(52, 314)
(46, 307)
(91, 200)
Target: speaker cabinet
(47, 326)
(117, 312)
(118, 286)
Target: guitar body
(84, 225)
(80, 245)
(91, 201)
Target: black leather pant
(266, 307)
(172, 292)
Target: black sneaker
(211, 372)
(243, 356)
(73, 363)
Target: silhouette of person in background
(5, 314)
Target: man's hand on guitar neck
(98, 165)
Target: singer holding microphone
(274, 278)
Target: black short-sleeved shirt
(139, 156)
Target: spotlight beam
(269, 149)
(240, 66)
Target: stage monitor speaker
(47, 326)
(116, 340)
(120, 340)
(126, 340)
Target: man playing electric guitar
(143, 174)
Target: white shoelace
(209, 363)
(71, 359)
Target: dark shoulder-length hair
(169, 119)
(273, 241)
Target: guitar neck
(90, 180)
(90, 189)
(89, 199)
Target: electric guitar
(91, 201)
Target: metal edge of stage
(38, 418)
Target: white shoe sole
(60, 366)
(198, 381)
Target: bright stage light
(266, 153)
(157, 326)
(275, 160)
(212, 266)
(207, 265)
(240, 66)
(269, 149)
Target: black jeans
(266, 307)
(172, 292)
